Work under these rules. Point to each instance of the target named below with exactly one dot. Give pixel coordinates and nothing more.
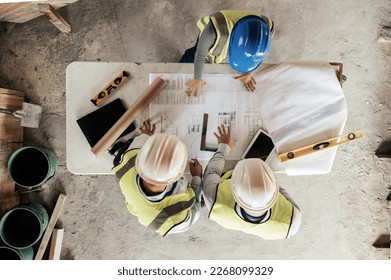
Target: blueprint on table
(297, 103)
(224, 99)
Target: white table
(85, 79)
(286, 99)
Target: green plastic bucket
(31, 166)
(9, 253)
(23, 225)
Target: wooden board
(54, 17)
(11, 139)
(56, 244)
(52, 223)
(25, 11)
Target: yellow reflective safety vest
(223, 23)
(161, 216)
(223, 212)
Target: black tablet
(259, 147)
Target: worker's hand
(194, 87)
(224, 136)
(195, 168)
(147, 128)
(248, 81)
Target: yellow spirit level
(326, 144)
(107, 90)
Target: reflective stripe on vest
(276, 227)
(223, 23)
(161, 215)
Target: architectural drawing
(194, 122)
(165, 125)
(174, 112)
(253, 122)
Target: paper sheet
(224, 100)
(302, 103)
(298, 104)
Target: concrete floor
(344, 212)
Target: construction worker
(242, 36)
(150, 175)
(248, 197)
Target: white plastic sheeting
(301, 103)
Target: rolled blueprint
(129, 116)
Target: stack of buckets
(23, 226)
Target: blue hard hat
(249, 44)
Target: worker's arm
(146, 131)
(196, 172)
(138, 142)
(212, 174)
(215, 167)
(205, 42)
(195, 169)
(194, 212)
(296, 218)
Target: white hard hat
(162, 159)
(254, 186)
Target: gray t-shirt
(205, 42)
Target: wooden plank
(52, 223)
(8, 201)
(339, 72)
(8, 196)
(22, 12)
(23, 15)
(7, 185)
(10, 129)
(11, 92)
(9, 13)
(56, 244)
(11, 139)
(50, 13)
(6, 8)
(11, 102)
(23, 1)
